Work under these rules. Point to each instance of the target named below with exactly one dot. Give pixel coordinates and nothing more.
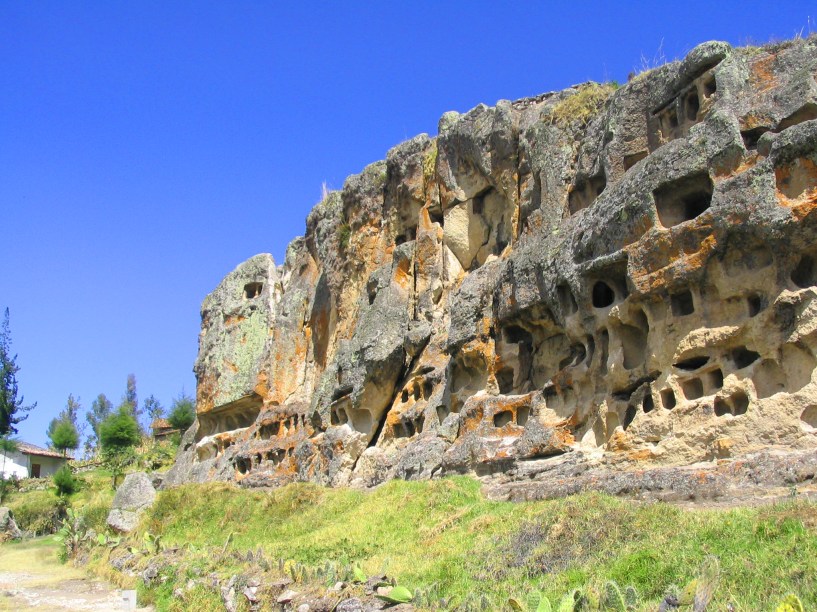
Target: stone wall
(623, 276)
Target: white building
(30, 461)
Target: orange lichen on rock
(634, 289)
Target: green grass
(445, 532)
(39, 511)
(583, 105)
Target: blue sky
(147, 148)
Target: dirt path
(31, 578)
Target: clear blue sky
(147, 148)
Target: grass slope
(39, 511)
(445, 532)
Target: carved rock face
(627, 275)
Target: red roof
(161, 424)
(32, 449)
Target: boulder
(133, 497)
(8, 526)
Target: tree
(130, 391)
(153, 408)
(101, 409)
(71, 414)
(63, 434)
(117, 461)
(7, 447)
(182, 412)
(130, 399)
(12, 408)
(119, 431)
(118, 434)
(71, 410)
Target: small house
(31, 461)
(162, 428)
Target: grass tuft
(583, 105)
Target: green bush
(36, 511)
(96, 516)
(65, 482)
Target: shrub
(36, 511)
(344, 235)
(6, 485)
(65, 482)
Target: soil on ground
(32, 578)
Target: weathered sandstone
(617, 278)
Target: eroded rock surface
(135, 495)
(620, 279)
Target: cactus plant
(707, 583)
(571, 601)
(359, 574)
(790, 603)
(631, 597)
(542, 605)
(397, 595)
(612, 599)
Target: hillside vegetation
(39, 510)
(444, 541)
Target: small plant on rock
(583, 105)
(344, 235)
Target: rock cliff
(616, 278)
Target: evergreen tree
(182, 412)
(119, 431)
(71, 414)
(101, 409)
(72, 410)
(118, 434)
(130, 394)
(63, 434)
(11, 407)
(130, 401)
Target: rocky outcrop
(135, 495)
(620, 278)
